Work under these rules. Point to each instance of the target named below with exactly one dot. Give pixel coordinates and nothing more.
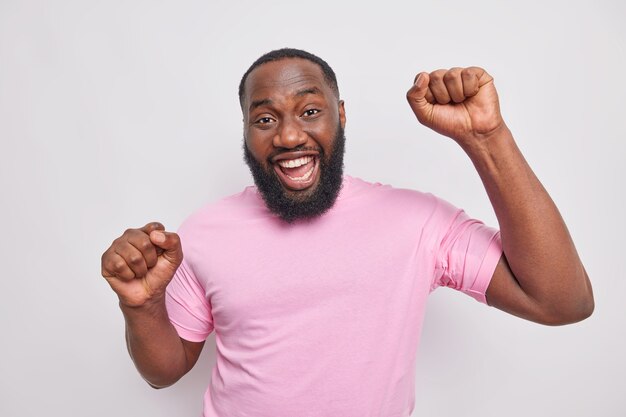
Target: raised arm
(540, 277)
(138, 266)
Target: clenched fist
(461, 103)
(140, 263)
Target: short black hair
(278, 54)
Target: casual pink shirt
(322, 317)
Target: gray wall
(115, 113)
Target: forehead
(283, 77)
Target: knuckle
(135, 259)
(468, 79)
(105, 257)
(437, 76)
(145, 245)
(106, 271)
(130, 232)
(474, 71)
(104, 267)
(118, 265)
(107, 260)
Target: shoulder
(387, 196)
(402, 205)
(230, 210)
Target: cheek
(258, 147)
(324, 133)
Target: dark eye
(264, 120)
(310, 112)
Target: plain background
(115, 113)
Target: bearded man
(315, 282)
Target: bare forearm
(536, 242)
(540, 277)
(154, 345)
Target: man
(316, 282)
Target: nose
(290, 135)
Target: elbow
(586, 308)
(155, 386)
(575, 312)
(585, 304)
(159, 384)
(582, 313)
(571, 307)
(161, 381)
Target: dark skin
(288, 104)
(540, 276)
(288, 107)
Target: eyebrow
(259, 103)
(300, 93)
(310, 90)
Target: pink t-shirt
(323, 317)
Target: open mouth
(297, 172)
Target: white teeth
(295, 163)
(304, 177)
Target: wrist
(489, 145)
(152, 307)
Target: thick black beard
(319, 201)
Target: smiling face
(293, 137)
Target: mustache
(296, 149)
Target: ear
(342, 114)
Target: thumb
(416, 97)
(170, 243)
(148, 228)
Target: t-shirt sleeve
(187, 306)
(467, 254)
